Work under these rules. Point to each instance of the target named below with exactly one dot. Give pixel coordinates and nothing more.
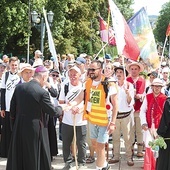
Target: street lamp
(38, 20)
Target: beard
(93, 76)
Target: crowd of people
(93, 99)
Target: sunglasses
(93, 69)
(54, 75)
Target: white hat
(157, 82)
(83, 55)
(25, 66)
(165, 70)
(163, 63)
(116, 64)
(76, 69)
(38, 52)
(133, 64)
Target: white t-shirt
(12, 81)
(68, 116)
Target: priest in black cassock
(163, 161)
(29, 147)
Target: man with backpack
(73, 118)
(97, 105)
(9, 81)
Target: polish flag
(105, 36)
(168, 31)
(125, 42)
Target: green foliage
(75, 26)
(162, 23)
(158, 143)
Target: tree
(75, 26)
(162, 23)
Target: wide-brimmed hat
(121, 68)
(135, 64)
(153, 73)
(157, 82)
(25, 66)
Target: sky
(153, 6)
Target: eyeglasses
(93, 69)
(54, 75)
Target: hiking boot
(130, 162)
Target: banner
(125, 42)
(50, 40)
(143, 34)
(168, 31)
(106, 33)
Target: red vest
(139, 86)
(155, 108)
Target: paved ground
(58, 163)
(122, 165)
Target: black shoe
(106, 168)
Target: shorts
(99, 133)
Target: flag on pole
(125, 42)
(50, 40)
(168, 30)
(143, 34)
(106, 33)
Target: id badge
(88, 108)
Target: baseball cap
(80, 60)
(38, 52)
(108, 57)
(76, 69)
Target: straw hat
(135, 64)
(25, 66)
(157, 82)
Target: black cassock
(163, 161)
(29, 147)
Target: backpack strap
(66, 86)
(6, 76)
(105, 86)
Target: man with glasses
(96, 106)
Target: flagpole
(162, 56)
(100, 50)
(103, 49)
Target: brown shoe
(113, 161)
(139, 154)
(130, 162)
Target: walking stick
(74, 139)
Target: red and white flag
(125, 42)
(168, 31)
(106, 34)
